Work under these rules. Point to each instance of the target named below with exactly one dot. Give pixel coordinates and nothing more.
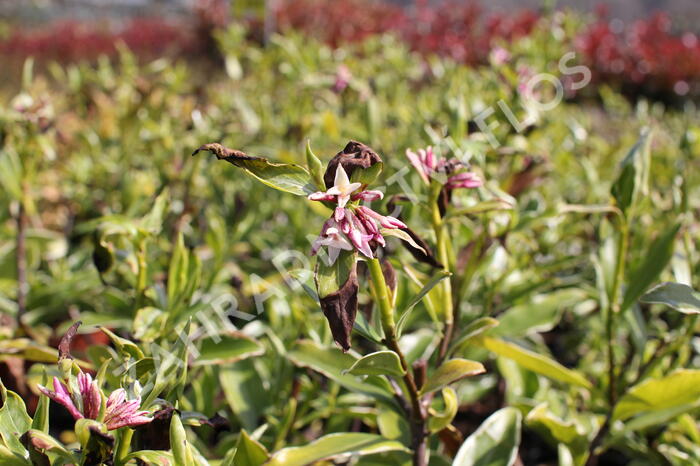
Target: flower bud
(354, 155)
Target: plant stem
(614, 308)
(444, 258)
(21, 258)
(141, 277)
(122, 449)
(418, 430)
(21, 264)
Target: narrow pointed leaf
(315, 167)
(679, 388)
(249, 452)
(227, 348)
(676, 295)
(434, 280)
(494, 443)
(334, 446)
(452, 371)
(286, 177)
(332, 363)
(442, 419)
(648, 271)
(538, 363)
(379, 363)
(182, 454)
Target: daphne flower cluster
(87, 401)
(351, 226)
(430, 166)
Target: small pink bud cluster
(430, 166)
(499, 56)
(87, 401)
(342, 78)
(355, 227)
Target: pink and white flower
(85, 403)
(351, 226)
(333, 238)
(120, 412)
(429, 165)
(341, 190)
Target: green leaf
(315, 167)
(557, 432)
(149, 324)
(475, 329)
(379, 363)
(403, 236)
(177, 270)
(97, 444)
(681, 387)
(124, 346)
(494, 443)
(451, 371)
(44, 441)
(330, 279)
(538, 363)
(41, 415)
(155, 457)
(333, 446)
(11, 173)
(366, 176)
(393, 425)
(540, 314)
(481, 207)
(646, 273)
(680, 297)
(434, 280)
(153, 221)
(369, 330)
(244, 392)
(29, 350)
(332, 363)
(10, 458)
(14, 420)
(634, 174)
(227, 348)
(285, 177)
(171, 366)
(660, 417)
(440, 420)
(249, 452)
(182, 453)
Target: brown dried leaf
(340, 309)
(64, 344)
(354, 155)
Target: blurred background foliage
(95, 157)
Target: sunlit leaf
(676, 295)
(494, 443)
(451, 371)
(334, 446)
(285, 177)
(379, 363)
(681, 387)
(535, 362)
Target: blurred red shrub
(71, 41)
(453, 28)
(643, 57)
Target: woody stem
(418, 431)
(443, 256)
